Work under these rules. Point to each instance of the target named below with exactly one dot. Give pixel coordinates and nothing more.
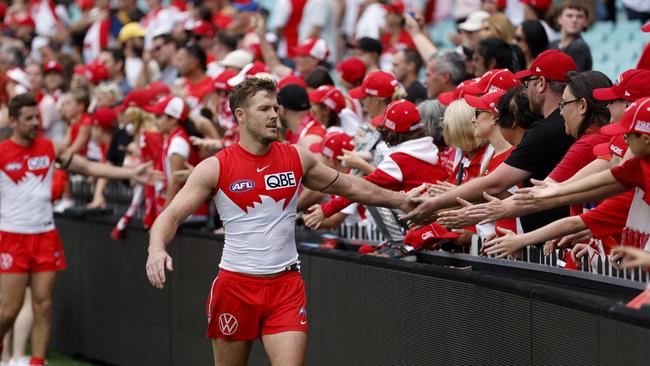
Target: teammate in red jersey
(259, 292)
(30, 248)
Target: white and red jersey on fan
(160, 21)
(26, 186)
(97, 37)
(256, 198)
(45, 17)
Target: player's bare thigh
(286, 348)
(231, 353)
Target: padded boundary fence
(362, 310)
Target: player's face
(260, 117)
(26, 125)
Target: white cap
(175, 108)
(237, 59)
(474, 21)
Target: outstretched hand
(157, 262)
(314, 217)
(632, 257)
(530, 197)
(457, 218)
(503, 246)
(145, 174)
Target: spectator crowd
(518, 141)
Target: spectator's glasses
(478, 112)
(528, 80)
(563, 104)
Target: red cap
(538, 4)
(615, 146)
(402, 116)
(173, 107)
(93, 71)
(104, 118)
(22, 21)
(159, 89)
(248, 71)
(551, 64)
(396, 7)
(447, 97)
(376, 84)
(428, 236)
(630, 85)
(314, 47)
(136, 98)
(333, 144)
(85, 4)
(501, 4)
(487, 102)
(352, 70)
(291, 79)
(377, 121)
(52, 66)
(646, 28)
(221, 81)
(329, 96)
(493, 79)
(203, 29)
(222, 21)
(635, 119)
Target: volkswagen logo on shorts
(243, 185)
(228, 323)
(6, 261)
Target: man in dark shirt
(540, 150)
(572, 20)
(406, 68)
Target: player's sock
(35, 361)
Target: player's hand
(145, 174)
(503, 246)
(408, 205)
(352, 160)
(314, 217)
(489, 211)
(157, 262)
(457, 218)
(529, 197)
(423, 213)
(632, 257)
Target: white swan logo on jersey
(38, 162)
(279, 180)
(243, 185)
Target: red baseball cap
(646, 27)
(487, 102)
(173, 107)
(136, 98)
(291, 79)
(635, 119)
(615, 146)
(203, 29)
(314, 47)
(538, 4)
(93, 71)
(333, 144)
(427, 236)
(396, 7)
(85, 4)
(329, 96)
(52, 66)
(551, 64)
(104, 118)
(351, 70)
(447, 97)
(630, 85)
(402, 116)
(159, 89)
(493, 79)
(376, 84)
(221, 81)
(248, 71)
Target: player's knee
(42, 307)
(9, 312)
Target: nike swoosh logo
(261, 169)
(303, 322)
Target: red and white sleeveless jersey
(26, 186)
(256, 198)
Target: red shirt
(609, 217)
(473, 170)
(196, 91)
(84, 120)
(497, 160)
(644, 61)
(634, 173)
(403, 41)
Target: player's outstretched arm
(319, 177)
(202, 181)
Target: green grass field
(57, 359)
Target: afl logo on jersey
(38, 162)
(243, 185)
(279, 180)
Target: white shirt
(320, 13)
(371, 22)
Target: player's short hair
(19, 101)
(244, 91)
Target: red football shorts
(242, 307)
(22, 253)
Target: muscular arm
(176, 162)
(604, 178)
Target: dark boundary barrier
(362, 310)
